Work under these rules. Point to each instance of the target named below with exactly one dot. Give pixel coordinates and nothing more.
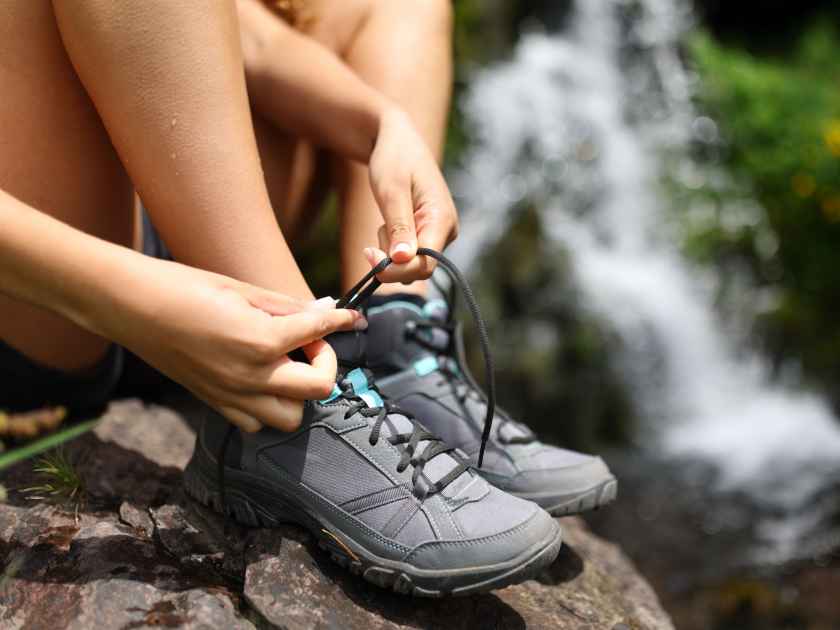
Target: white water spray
(577, 123)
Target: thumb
(398, 211)
(301, 329)
(271, 302)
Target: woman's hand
(413, 197)
(303, 88)
(227, 341)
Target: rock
(591, 585)
(139, 553)
(108, 568)
(138, 519)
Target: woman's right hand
(228, 341)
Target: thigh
(335, 23)
(56, 156)
(297, 173)
(406, 54)
(296, 177)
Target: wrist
(378, 115)
(64, 270)
(97, 299)
(389, 119)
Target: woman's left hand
(414, 200)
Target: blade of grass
(37, 447)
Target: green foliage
(780, 117)
(61, 481)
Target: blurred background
(650, 199)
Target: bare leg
(167, 81)
(407, 55)
(57, 157)
(295, 171)
(295, 175)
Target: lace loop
(455, 370)
(367, 285)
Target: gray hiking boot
(387, 499)
(416, 354)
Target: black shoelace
(407, 443)
(354, 298)
(367, 285)
(452, 364)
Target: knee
(430, 16)
(436, 15)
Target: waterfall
(578, 123)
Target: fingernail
(322, 304)
(368, 251)
(402, 247)
(360, 324)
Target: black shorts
(26, 384)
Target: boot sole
(247, 496)
(592, 499)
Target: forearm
(47, 263)
(305, 89)
(167, 80)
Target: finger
(322, 304)
(322, 357)
(281, 413)
(398, 211)
(420, 267)
(301, 381)
(241, 420)
(374, 256)
(300, 329)
(435, 214)
(271, 302)
(436, 229)
(382, 237)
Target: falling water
(577, 123)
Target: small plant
(61, 482)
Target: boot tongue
(350, 349)
(391, 344)
(399, 335)
(437, 312)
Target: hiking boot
(386, 498)
(415, 351)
